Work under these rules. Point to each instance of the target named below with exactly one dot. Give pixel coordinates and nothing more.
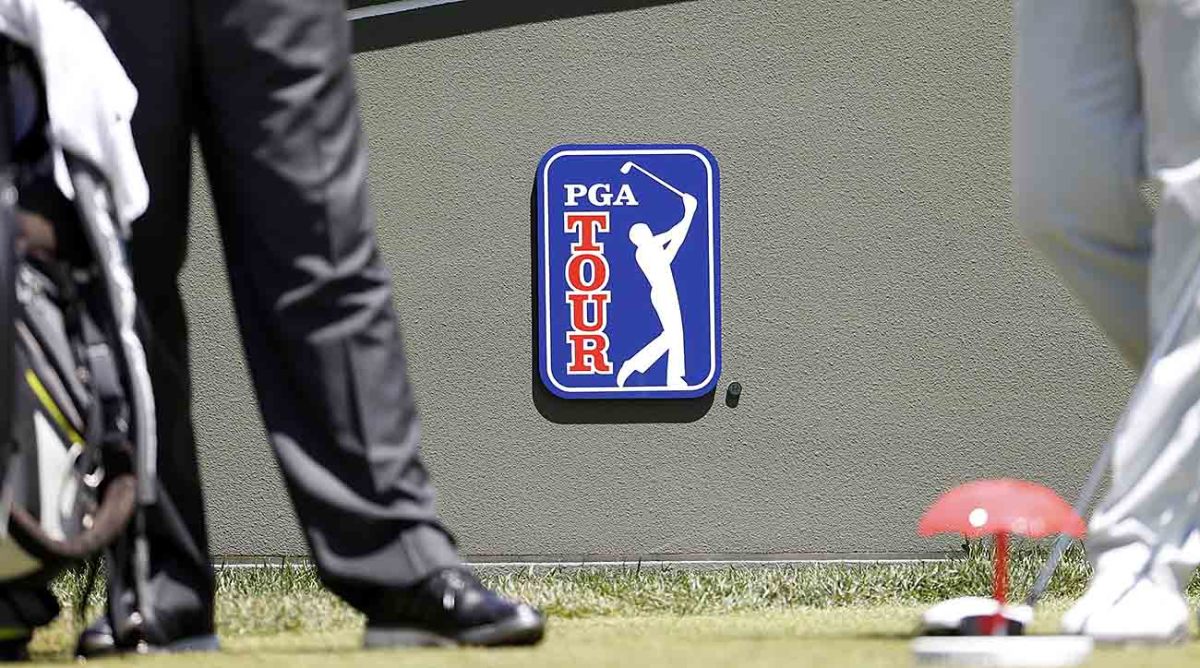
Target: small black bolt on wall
(733, 395)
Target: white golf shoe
(1119, 609)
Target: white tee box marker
(1033, 651)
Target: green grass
(804, 615)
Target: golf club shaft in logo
(629, 287)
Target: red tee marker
(999, 508)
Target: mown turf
(824, 614)
(290, 598)
(872, 636)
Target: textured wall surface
(892, 333)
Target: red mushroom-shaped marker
(1000, 508)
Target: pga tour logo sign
(629, 272)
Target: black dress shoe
(451, 607)
(98, 640)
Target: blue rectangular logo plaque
(629, 280)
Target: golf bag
(76, 410)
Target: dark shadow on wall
(595, 411)
(614, 411)
(460, 18)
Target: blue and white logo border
(714, 245)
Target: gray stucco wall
(893, 335)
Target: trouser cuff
(429, 549)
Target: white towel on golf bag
(1104, 96)
(89, 97)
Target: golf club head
(626, 167)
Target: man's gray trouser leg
(1103, 88)
(268, 88)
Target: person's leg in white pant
(1077, 157)
(1081, 64)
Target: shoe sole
(194, 644)
(520, 631)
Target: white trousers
(1106, 95)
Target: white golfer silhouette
(655, 253)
